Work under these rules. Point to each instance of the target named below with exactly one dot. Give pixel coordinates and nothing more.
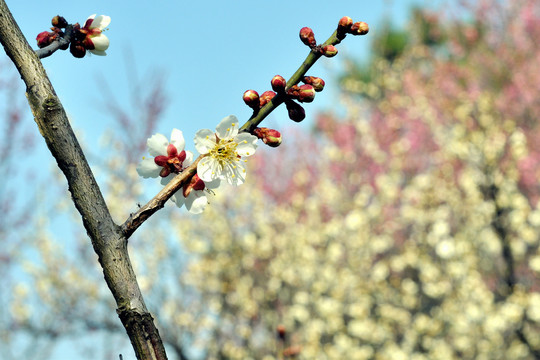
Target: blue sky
(209, 52)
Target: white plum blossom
(169, 157)
(225, 151)
(96, 42)
(194, 194)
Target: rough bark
(109, 242)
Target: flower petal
(100, 22)
(101, 42)
(177, 139)
(247, 144)
(196, 202)
(88, 23)
(228, 127)
(208, 169)
(165, 180)
(147, 168)
(97, 52)
(178, 199)
(157, 145)
(214, 184)
(188, 160)
(205, 140)
(235, 174)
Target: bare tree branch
(107, 238)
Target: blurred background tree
(407, 228)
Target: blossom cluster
(223, 157)
(90, 37)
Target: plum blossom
(225, 151)
(169, 157)
(194, 194)
(96, 42)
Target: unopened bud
(329, 50)
(59, 22)
(293, 92)
(278, 83)
(306, 93)
(316, 82)
(251, 98)
(296, 111)
(359, 28)
(45, 38)
(77, 49)
(270, 137)
(345, 23)
(308, 37)
(292, 351)
(344, 26)
(266, 97)
(281, 332)
(195, 184)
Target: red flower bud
(45, 38)
(270, 137)
(292, 351)
(329, 50)
(278, 83)
(293, 92)
(345, 23)
(306, 93)
(77, 49)
(266, 97)
(251, 98)
(344, 26)
(359, 28)
(308, 37)
(296, 111)
(195, 184)
(317, 83)
(59, 22)
(281, 332)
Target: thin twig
(57, 44)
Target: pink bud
(306, 93)
(359, 28)
(296, 111)
(270, 137)
(266, 97)
(345, 23)
(251, 98)
(344, 26)
(308, 37)
(278, 83)
(317, 83)
(329, 50)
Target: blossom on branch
(194, 194)
(169, 158)
(95, 41)
(225, 151)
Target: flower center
(225, 151)
(172, 162)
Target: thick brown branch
(107, 238)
